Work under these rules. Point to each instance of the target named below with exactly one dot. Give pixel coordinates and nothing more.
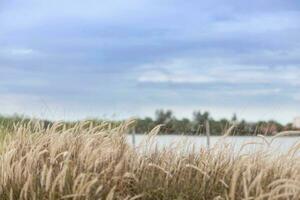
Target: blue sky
(64, 59)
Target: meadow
(88, 161)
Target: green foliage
(196, 126)
(172, 125)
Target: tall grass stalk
(88, 162)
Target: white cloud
(252, 92)
(32, 12)
(189, 71)
(259, 23)
(173, 77)
(17, 52)
(21, 52)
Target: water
(237, 143)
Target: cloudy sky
(68, 59)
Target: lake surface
(242, 144)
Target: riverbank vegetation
(95, 162)
(196, 125)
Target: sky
(71, 59)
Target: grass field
(88, 162)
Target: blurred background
(70, 60)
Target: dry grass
(86, 162)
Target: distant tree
(167, 119)
(234, 118)
(182, 126)
(275, 127)
(163, 117)
(216, 127)
(289, 126)
(199, 120)
(145, 125)
(242, 128)
(224, 125)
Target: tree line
(172, 125)
(197, 125)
